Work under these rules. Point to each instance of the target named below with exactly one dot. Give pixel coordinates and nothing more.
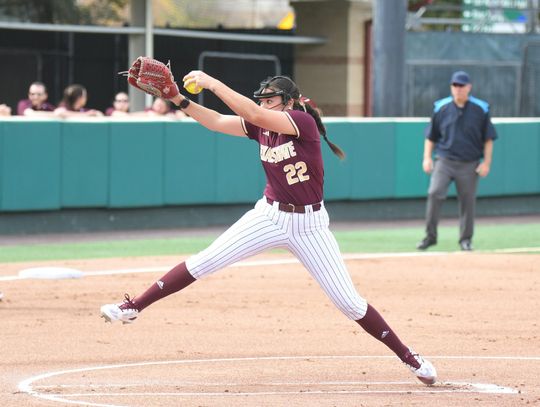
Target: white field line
(26, 386)
(274, 262)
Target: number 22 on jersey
(296, 172)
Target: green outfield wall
(52, 165)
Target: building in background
(329, 47)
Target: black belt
(294, 208)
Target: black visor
(266, 84)
(260, 95)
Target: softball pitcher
(291, 214)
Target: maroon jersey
(27, 103)
(293, 163)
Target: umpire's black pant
(463, 173)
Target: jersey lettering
(277, 154)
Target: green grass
(103, 249)
(487, 237)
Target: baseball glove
(153, 77)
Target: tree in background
(91, 12)
(103, 12)
(212, 14)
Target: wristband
(184, 103)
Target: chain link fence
(504, 69)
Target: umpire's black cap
(461, 78)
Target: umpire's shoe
(466, 245)
(427, 242)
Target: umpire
(461, 134)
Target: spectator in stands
(73, 103)
(37, 103)
(120, 105)
(160, 107)
(5, 110)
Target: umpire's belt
(294, 208)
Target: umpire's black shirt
(460, 133)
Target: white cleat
(426, 373)
(1, 295)
(126, 312)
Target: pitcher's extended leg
(175, 280)
(374, 324)
(258, 230)
(318, 251)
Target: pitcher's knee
(200, 266)
(354, 308)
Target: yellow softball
(193, 88)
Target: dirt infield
(265, 335)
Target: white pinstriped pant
(306, 235)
